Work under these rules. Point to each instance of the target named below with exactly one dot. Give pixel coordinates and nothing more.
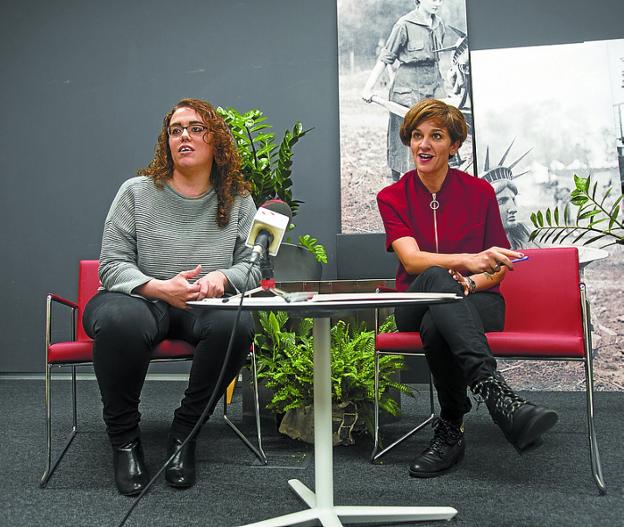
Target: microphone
(268, 228)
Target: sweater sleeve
(237, 273)
(118, 258)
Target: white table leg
(321, 502)
(323, 446)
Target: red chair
(79, 352)
(547, 318)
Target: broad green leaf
(579, 199)
(581, 183)
(588, 214)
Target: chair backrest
(88, 283)
(543, 293)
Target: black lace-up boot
(444, 452)
(522, 422)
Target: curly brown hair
(225, 177)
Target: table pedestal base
(336, 516)
(322, 510)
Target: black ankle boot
(522, 422)
(444, 452)
(131, 474)
(180, 471)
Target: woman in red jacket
(444, 226)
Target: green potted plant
(285, 364)
(596, 219)
(267, 165)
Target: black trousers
(453, 337)
(125, 330)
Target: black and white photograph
(544, 114)
(538, 134)
(391, 55)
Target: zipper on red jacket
(435, 205)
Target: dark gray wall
(85, 84)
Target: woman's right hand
(490, 260)
(176, 291)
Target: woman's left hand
(212, 285)
(461, 280)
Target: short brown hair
(445, 116)
(226, 177)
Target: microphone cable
(203, 415)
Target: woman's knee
(121, 317)
(217, 326)
(437, 279)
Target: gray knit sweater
(151, 233)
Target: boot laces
(445, 434)
(496, 390)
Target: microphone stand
(267, 282)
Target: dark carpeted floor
(493, 487)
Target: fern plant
(286, 361)
(595, 220)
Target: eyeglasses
(193, 129)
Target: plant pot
(296, 263)
(298, 423)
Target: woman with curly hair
(173, 234)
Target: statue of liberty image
(501, 178)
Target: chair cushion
(80, 352)
(524, 344)
(506, 343)
(405, 342)
(70, 352)
(173, 349)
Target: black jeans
(453, 337)
(126, 329)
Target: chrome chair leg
(258, 451)
(376, 408)
(596, 465)
(377, 451)
(51, 467)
